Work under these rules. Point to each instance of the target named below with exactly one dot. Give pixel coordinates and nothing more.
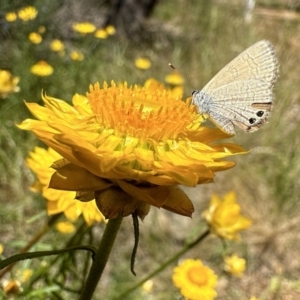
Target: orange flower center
(198, 275)
(139, 111)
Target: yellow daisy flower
(76, 55)
(84, 27)
(224, 217)
(41, 29)
(129, 147)
(235, 265)
(174, 78)
(147, 286)
(41, 68)
(65, 227)
(195, 281)
(8, 83)
(27, 13)
(11, 17)
(101, 34)
(57, 45)
(142, 63)
(35, 38)
(110, 29)
(1, 249)
(25, 275)
(40, 161)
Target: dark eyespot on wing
(252, 120)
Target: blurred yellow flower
(8, 83)
(101, 34)
(11, 17)
(35, 38)
(40, 161)
(57, 45)
(174, 78)
(41, 68)
(65, 227)
(147, 286)
(26, 274)
(224, 217)
(253, 298)
(41, 29)
(27, 13)
(235, 265)
(11, 287)
(76, 55)
(84, 27)
(142, 63)
(129, 147)
(195, 281)
(110, 29)
(1, 249)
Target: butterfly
(241, 93)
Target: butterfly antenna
(184, 76)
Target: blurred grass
(199, 38)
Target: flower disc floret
(140, 113)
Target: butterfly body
(241, 93)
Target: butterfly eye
(259, 114)
(252, 120)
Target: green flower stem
(164, 265)
(34, 240)
(28, 255)
(101, 258)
